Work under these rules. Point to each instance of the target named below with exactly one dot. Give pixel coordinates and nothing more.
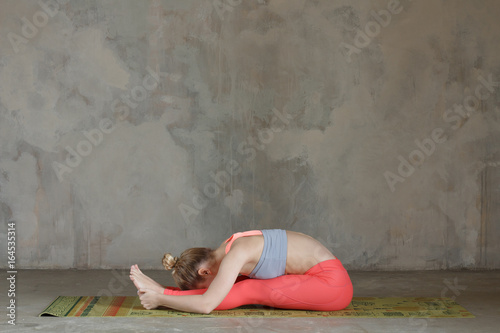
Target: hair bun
(169, 261)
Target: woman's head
(186, 268)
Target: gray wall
(133, 128)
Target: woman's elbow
(207, 307)
(206, 311)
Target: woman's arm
(219, 288)
(191, 303)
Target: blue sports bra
(272, 262)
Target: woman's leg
(325, 287)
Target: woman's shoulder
(243, 240)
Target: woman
(279, 268)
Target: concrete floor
(478, 292)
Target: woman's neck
(218, 255)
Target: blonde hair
(185, 268)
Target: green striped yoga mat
(360, 307)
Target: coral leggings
(324, 287)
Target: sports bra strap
(238, 235)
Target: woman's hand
(149, 298)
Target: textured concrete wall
(129, 128)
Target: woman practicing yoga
(279, 268)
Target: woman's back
(303, 252)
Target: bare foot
(142, 281)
